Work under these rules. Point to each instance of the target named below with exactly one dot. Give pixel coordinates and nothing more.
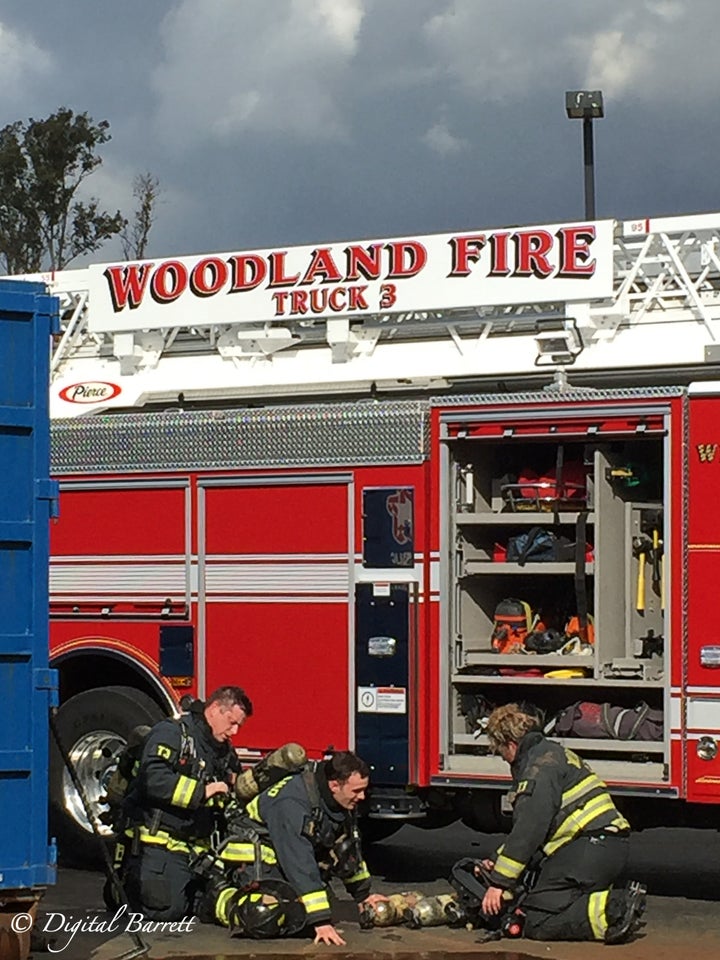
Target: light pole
(586, 105)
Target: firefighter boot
(212, 879)
(211, 906)
(623, 927)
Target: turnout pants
(573, 897)
(160, 884)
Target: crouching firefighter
(564, 820)
(174, 804)
(281, 851)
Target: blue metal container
(27, 500)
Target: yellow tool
(658, 579)
(640, 598)
(642, 547)
(568, 673)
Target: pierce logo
(91, 391)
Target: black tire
(374, 830)
(436, 820)
(96, 718)
(482, 811)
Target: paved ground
(681, 867)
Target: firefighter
(291, 839)
(565, 821)
(174, 804)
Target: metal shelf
(621, 769)
(479, 658)
(531, 519)
(472, 568)
(577, 743)
(462, 679)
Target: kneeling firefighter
(563, 817)
(174, 802)
(286, 845)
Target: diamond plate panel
(319, 435)
(570, 395)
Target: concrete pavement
(681, 868)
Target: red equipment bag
(605, 721)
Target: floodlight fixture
(558, 342)
(586, 105)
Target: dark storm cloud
(291, 121)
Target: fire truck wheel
(482, 811)
(373, 831)
(94, 727)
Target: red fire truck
(386, 485)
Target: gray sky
(274, 122)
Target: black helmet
(344, 857)
(547, 641)
(268, 910)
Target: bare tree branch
(134, 236)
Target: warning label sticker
(382, 700)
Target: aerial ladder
(661, 313)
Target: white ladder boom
(663, 313)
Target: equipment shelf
(472, 568)
(579, 743)
(519, 519)
(645, 775)
(465, 680)
(477, 658)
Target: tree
(20, 237)
(42, 165)
(146, 191)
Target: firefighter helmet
(344, 857)
(266, 911)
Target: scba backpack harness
(471, 881)
(128, 767)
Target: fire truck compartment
(584, 496)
